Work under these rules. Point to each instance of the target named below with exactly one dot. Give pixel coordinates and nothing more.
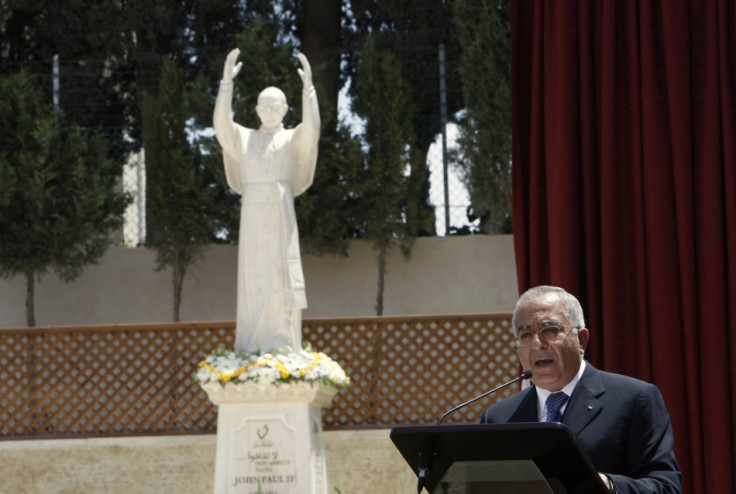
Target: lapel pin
(590, 407)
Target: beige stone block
(358, 462)
(366, 462)
(183, 464)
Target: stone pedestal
(270, 437)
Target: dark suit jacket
(620, 422)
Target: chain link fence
(134, 183)
(448, 194)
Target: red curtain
(624, 193)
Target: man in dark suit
(621, 423)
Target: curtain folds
(624, 193)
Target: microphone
(524, 375)
(427, 456)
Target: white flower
(280, 366)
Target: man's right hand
(231, 69)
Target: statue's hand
(305, 72)
(231, 69)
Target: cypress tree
(59, 201)
(485, 131)
(383, 100)
(183, 199)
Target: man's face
(271, 110)
(553, 363)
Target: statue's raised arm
(307, 134)
(222, 119)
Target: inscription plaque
(263, 457)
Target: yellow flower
(302, 373)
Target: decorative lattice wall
(137, 379)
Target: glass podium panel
(498, 477)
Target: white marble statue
(268, 167)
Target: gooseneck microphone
(524, 375)
(427, 456)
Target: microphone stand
(426, 458)
(524, 375)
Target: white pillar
(270, 436)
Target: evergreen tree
(413, 31)
(110, 52)
(485, 132)
(383, 99)
(59, 205)
(184, 202)
(319, 30)
(329, 212)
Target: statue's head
(271, 107)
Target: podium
(517, 458)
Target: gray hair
(573, 309)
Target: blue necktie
(554, 404)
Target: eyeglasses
(273, 108)
(525, 337)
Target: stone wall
(358, 462)
(445, 275)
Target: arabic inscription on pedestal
(264, 457)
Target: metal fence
(134, 183)
(61, 382)
(454, 208)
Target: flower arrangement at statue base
(277, 367)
